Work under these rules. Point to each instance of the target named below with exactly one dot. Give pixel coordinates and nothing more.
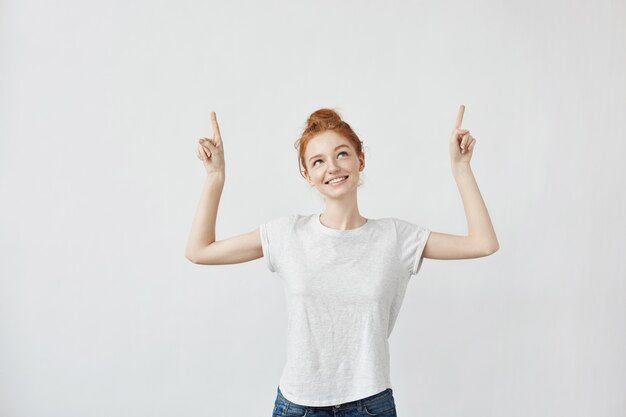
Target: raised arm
(202, 248)
(481, 239)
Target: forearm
(203, 228)
(478, 220)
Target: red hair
(318, 122)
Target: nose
(332, 167)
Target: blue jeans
(381, 404)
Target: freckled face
(329, 155)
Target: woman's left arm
(481, 239)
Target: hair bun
(323, 119)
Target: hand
(461, 142)
(211, 151)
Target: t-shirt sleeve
(412, 240)
(274, 234)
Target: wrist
(215, 176)
(461, 167)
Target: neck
(342, 216)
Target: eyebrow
(340, 146)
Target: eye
(314, 162)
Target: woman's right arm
(201, 246)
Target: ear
(362, 161)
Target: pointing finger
(459, 117)
(216, 129)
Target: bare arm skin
(202, 248)
(481, 239)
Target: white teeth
(337, 180)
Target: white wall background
(101, 107)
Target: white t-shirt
(343, 289)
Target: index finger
(216, 128)
(459, 117)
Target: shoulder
(395, 223)
(284, 223)
(408, 229)
(402, 223)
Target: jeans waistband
(372, 399)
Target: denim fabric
(381, 404)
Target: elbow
(485, 247)
(190, 257)
(491, 249)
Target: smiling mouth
(345, 177)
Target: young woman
(345, 275)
